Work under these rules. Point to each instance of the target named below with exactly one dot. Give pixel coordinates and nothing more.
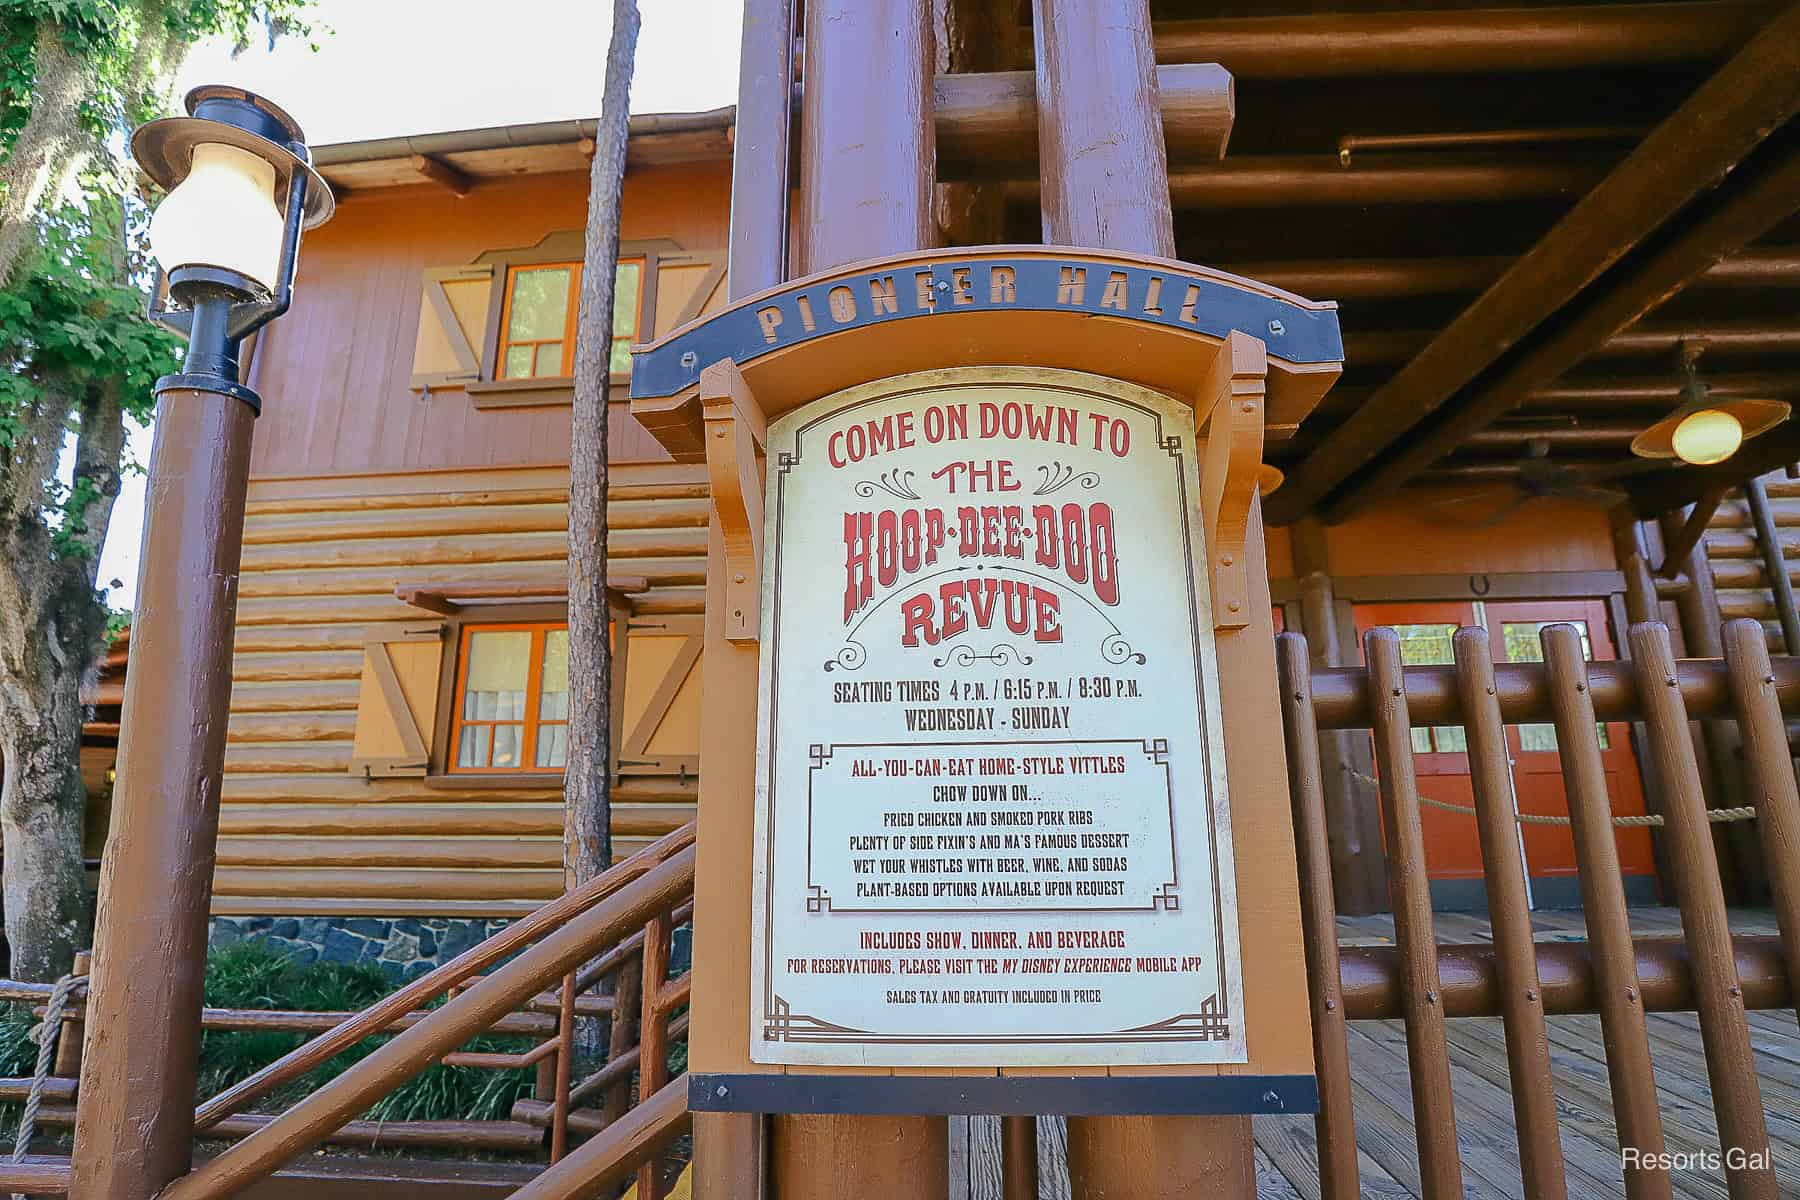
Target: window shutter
(453, 313)
(687, 284)
(396, 709)
(660, 700)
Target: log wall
(299, 833)
(1736, 556)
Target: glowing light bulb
(1707, 436)
(222, 215)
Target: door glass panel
(1520, 639)
(1431, 646)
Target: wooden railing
(600, 951)
(1613, 974)
(618, 928)
(609, 927)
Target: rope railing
(1717, 816)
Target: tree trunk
(42, 804)
(52, 624)
(587, 813)
(44, 153)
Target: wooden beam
(866, 160)
(1283, 180)
(443, 174)
(1748, 338)
(988, 122)
(1461, 42)
(1386, 278)
(1680, 547)
(1718, 126)
(448, 599)
(1746, 209)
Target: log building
(1515, 299)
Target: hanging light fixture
(1705, 430)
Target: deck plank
(1481, 1084)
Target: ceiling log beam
(1274, 180)
(1464, 41)
(1392, 278)
(1384, 346)
(1725, 119)
(1531, 379)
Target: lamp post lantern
(241, 188)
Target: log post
(134, 1131)
(1353, 819)
(867, 178)
(1721, 747)
(729, 1148)
(1104, 176)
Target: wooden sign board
(991, 803)
(993, 811)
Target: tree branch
(98, 450)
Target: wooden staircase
(601, 950)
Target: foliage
(77, 362)
(249, 975)
(127, 45)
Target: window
(512, 698)
(1427, 646)
(538, 319)
(1522, 645)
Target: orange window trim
(571, 314)
(530, 725)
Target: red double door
(1452, 846)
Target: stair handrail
(383, 1013)
(613, 916)
(606, 1159)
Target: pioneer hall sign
(987, 553)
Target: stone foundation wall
(404, 947)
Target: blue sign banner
(936, 287)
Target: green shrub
(249, 975)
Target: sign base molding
(1006, 1095)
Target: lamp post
(241, 188)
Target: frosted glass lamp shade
(1707, 436)
(222, 215)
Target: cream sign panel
(991, 815)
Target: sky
(386, 68)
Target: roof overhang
(504, 151)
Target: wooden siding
(1440, 531)
(335, 372)
(1743, 584)
(299, 832)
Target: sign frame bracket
(1230, 409)
(736, 439)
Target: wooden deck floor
(1287, 1157)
